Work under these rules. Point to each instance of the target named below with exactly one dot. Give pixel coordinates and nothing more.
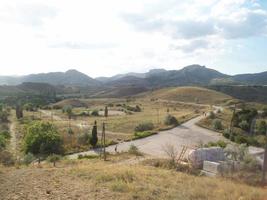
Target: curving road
(188, 134)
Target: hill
(243, 92)
(188, 94)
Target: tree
(262, 127)
(106, 111)
(42, 138)
(94, 138)
(171, 120)
(53, 159)
(19, 112)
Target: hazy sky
(103, 37)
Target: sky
(104, 38)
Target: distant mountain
(69, 78)
(190, 75)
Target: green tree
(42, 138)
(94, 138)
(262, 127)
(53, 159)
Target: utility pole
(104, 141)
(232, 121)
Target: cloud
(32, 14)
(238, 22)
(76, 45)
(245, 24)
(192, 46)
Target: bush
(84, 139)
(134, 150)
(170, 120)
(3, 142)
(5, 134)
(219, 143)
(146, 126)
(87, 156)
(42, 138)
(138, 135)
(6, 158)
(226, 133)
(28, 158)
(212, 115)
(53, 159)
(241, 139)
(95, 113)
(244, 125)
(262, 127)
(217, 124)
(94, 138)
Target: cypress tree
(106, 111)
(94, 138)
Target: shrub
(87, 156)
(42, 138)
(95, 113)
(53, 159)
(6, 158)
(138, 135)
(5, 134)
(28, 158)
(241, 139)
(217, 124)
(226, 133)
(170, 120)
(134, 150)
(219, 143)
(244, 125)
(262, 127)
(2, 142)
(212, 115)
(84, 139)
(145, 126)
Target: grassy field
(94, 179)
(190, 95)
(120, 123)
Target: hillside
(188, 94)
(96, 179)
(246, 93)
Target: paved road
(186, 134)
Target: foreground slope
(189, 94)
(108, 180)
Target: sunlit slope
(188, 94)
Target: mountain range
(156, 78)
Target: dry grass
(190, 94)
(95, 179)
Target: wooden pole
(104, 141)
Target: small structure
(197, 157)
